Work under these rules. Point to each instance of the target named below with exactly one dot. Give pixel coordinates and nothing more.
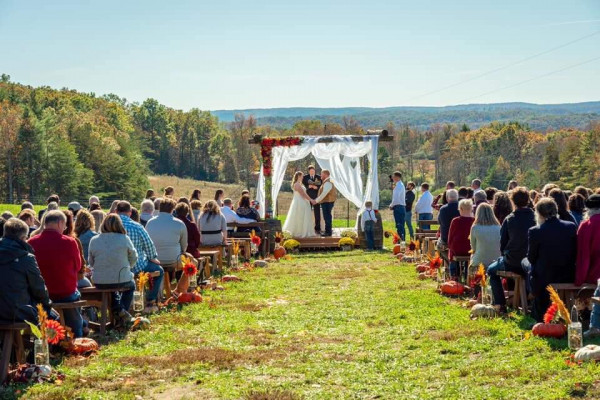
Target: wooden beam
(384, 136)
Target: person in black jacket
(410, 199)
(513, 243)
(22, 286)
(312, 182)
(552, 253)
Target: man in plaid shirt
(147, 255)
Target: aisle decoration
(47, 332)
(346, 244)
(255, 242)
(452, 288)
(485, 310)
(291, 245)
(266, 150)
(591, 352)
(552, 326)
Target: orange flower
(435, 262)
(255, 239)
(190, 269)
(55, 332)
(550, 313)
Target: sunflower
(55, 332)
(255, 239)
(412, 246)
(435, 262)
(190, 269)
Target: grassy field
(327, 326)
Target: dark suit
(313, 194)
(552, 253)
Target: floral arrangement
(278, 237)
(235, 248)
(395, 237)
(560, 306)
(435, 262)
(349, 233)
(143, 281)
(413, 245)
(266, 148)
(49, 330)
(291, 244)
(286, 235)
(346, 241)
(189, 269)
(255, 239)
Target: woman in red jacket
(587, 269)
(182, 211)
(458, 237)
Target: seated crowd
(551, 236)
(49, 257)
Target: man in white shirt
(231, 216)
(398, 204)
(476, 186)
(423, 208)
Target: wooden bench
(568, 291)
(61, 307)
(244, 246)
(263, 233)
(463, 267)
(215, 254)
(11, 340)
(100, 298)
(519, 295)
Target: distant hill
(538, 116)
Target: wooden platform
(319, 242)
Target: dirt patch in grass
(272, 395)
(217, 357)
(250, 307)
(458, 334)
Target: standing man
(410, 199)
(398, 205)
(312, 183)
(423, 208)
(476, 186)
(327, 196)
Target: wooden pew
(263, 234)
(519, 295)
(11, 340)
(60, 307)
(568, 291)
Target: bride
(300, 218)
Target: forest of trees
(75, 144)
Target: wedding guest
(561, 202)
(147, 208)
(463, 193)
(511, 185)
(490, 192)
(95, 206)
(410, 199)
(423, 207)
(193, 234)
(92, 200)
(150, 194)
(231, 216)
(98, 218)
(577, 207)
(588, 257)
(502, 206)
(213, 225)
(398, 204)
(478, 198)
(476, 186)
(195, 195)
(219, 195)
(85, 230)
(458, 236)
(440, 200)
(447, 213)
(113, 207)
(135, 214)
(513, 244)
(196, 206)
(59, 259)
(168, 234)
(185, 201)
(157, 202)
(22, 287)
(367, 223)
(51, 199)
(583, 191)
(169, 192)
(112, 256)
(28, 216)
(552, 253)
(244, 210)
(485, 237)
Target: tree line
(75, 144)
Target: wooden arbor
(268, 143)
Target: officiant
(312, 182)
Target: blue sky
(232, 54)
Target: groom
(312, 183)
(327, 197)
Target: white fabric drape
(341, 157)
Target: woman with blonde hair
(212, 225)
(112, 256)
(300, 218)
(485, 237)
(85, 227)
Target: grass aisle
(327, 326)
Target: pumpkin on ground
(230, 278)
(483, 311)
(422, 268)
(591, 352)
(279, 252)
(260, 263)
(81, 346)
(550, 330)
(423, 275)
(140, 323)
(397, 249)
(191, 297)
(452, 288)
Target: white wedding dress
(300, 220)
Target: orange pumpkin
(81, 346)
(279, 253)
(542, 329)
(397, 249)
(191, 297)
(452, 288)
(230, 278)
(422, 268)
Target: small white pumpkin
(591, 352)
(483, 311)
(260, 263)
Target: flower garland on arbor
(266, 149)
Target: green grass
(327, 326)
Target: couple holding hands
(312, 193)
